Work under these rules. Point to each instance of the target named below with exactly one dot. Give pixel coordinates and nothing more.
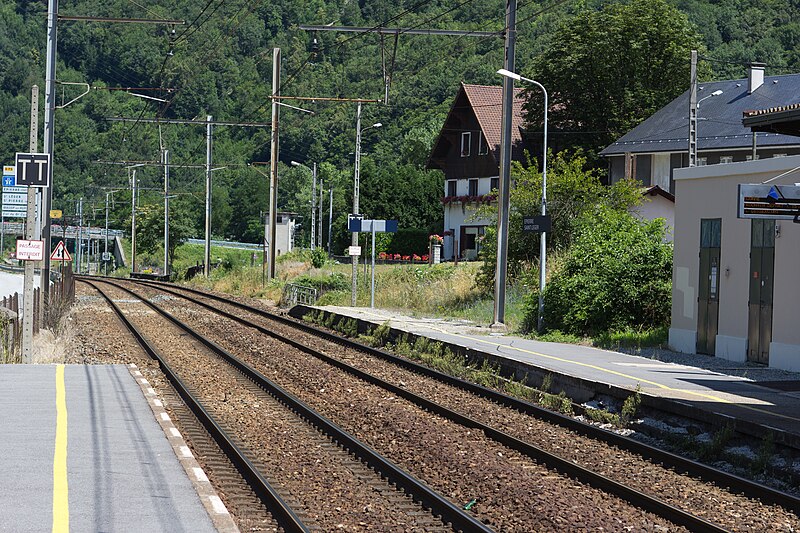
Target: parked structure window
(710, 232)
(778, 155)
(451, 187)
(726, 159)
(466, 141)
(750, 157)
(473, 187)
(495, 184)
(702, 161)
(483, 148)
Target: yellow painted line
(607, 371)
(60, 492)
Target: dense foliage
(572, 192)
(617, 275)
(607, 70)
(628, 57)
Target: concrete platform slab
(121, 472)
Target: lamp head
(717, 92)
(509, 74)
(295, 164)
(377, 125)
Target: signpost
(28, 250)
(373, 226)
(537, 224)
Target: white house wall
(654, 207)
(458, 214)
(712, 192)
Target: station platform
(83, 450)
(755, 399)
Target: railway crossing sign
(33, 170)
(775, 202)
(60, 253)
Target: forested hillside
(220, 64)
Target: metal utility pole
(79, 254)
(105, 240)
(49, 115)
(321, 198)
(505, 168)
(30, 228)
(693, 112)
(330, 219)
(273, 164)
(207, 255)
(166, 213)
(356, 178)
(314, 204)
(133, 222)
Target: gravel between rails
(513, 493)
(330, 489)
(733, 511)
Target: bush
(617, 275)
(335, 281)
(408, 241)
(318, 257)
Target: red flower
(406, 258)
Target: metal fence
(298, 294)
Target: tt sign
(33, 170)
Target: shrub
(318, 257)
(617, 275)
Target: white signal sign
(12, 198)
(30, 250)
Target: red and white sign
(30, 250)
(60, 253)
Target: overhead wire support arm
(404, 31)
(130, 21)
(325, 99)
(188, 121)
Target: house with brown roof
(468, 152)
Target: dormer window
(483, 148)
(466, 142)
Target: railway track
(732, 515)
(312, 448)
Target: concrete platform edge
(579, 389)
(217, 512)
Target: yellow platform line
(60, 488)
(607, 371)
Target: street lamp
(356, 185)
(693, 118)
(500, 288)
(313, 198)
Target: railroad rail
(283, 514)
(439, 505)
(734, 483)
(565, 466)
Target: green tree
(572, 192)
(607, 70)
(617, 274)
(150, 228)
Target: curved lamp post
(543, 240)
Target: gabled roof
(719, 124)
(485, 103)
(655, 190)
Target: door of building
(762, 267)
(708, 287)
